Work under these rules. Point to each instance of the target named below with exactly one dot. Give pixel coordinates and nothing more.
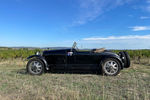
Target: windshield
(74, 46)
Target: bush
(6, 53)
(16, 53)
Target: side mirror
(69, 53)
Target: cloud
(117, 42)
(144, 17)
(143, 5)
(147, 6)
(140, 28)
(117, 37)
(91, 9)
(148, 1)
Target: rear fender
(41, 58)
(115, 57)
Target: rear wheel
(35, 67)
(111, 67)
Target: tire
(124, 58)
(128, 59)
(35, 67)
(107, 66)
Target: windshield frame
(74, 46)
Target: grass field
(131, 84)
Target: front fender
(33, 56)
(41, 58)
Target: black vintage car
(73, 59)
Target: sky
(110, 24)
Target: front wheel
(111, 67)
(35, 67)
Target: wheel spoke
(112, 71)
(34, 63)
(114, 67)
(39, 68)
(111, 63)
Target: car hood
(59, 51)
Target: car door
(71, 65)
(85, 60)
(57, 60)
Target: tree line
(6, 53)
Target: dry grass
(15, 84)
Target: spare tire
(123, 57)
(127, 59)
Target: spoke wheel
(111, 67)
(35, 67)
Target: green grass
(15, 84)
